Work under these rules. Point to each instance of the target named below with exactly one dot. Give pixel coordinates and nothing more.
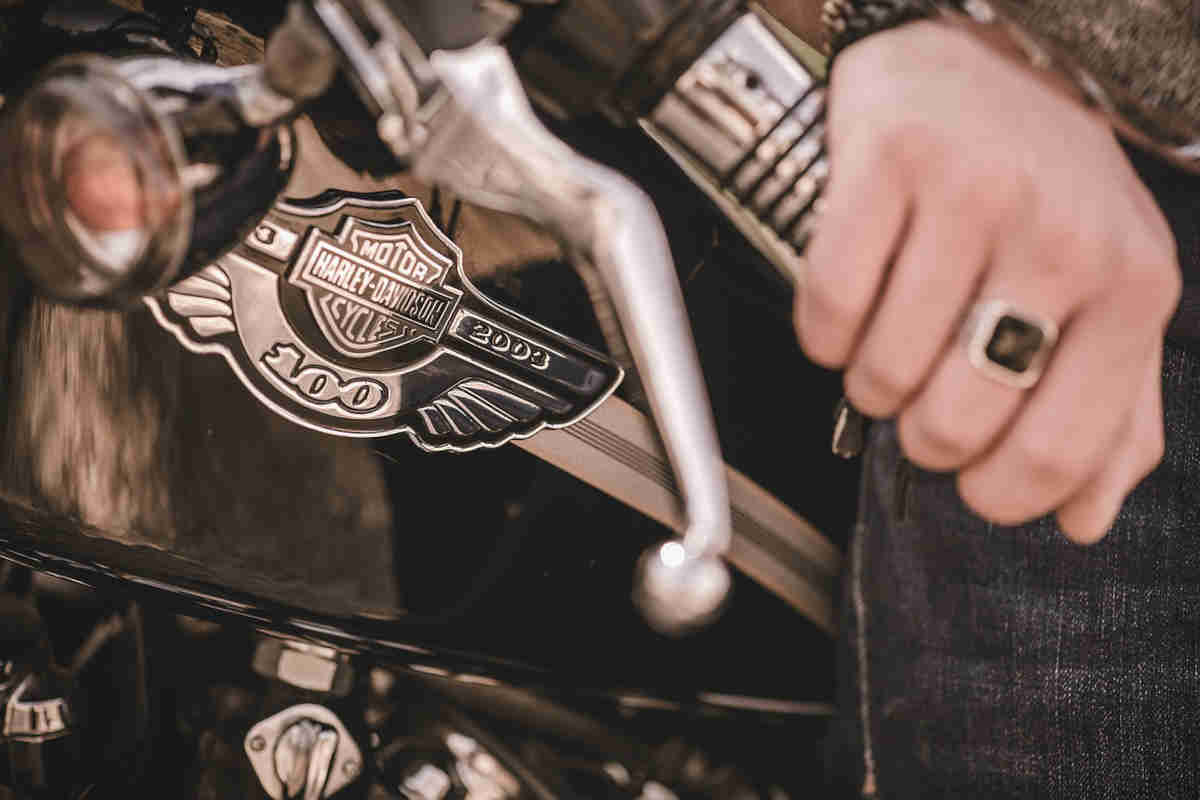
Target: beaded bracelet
(847, 21)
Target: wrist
(959, 40)
(1168, 133)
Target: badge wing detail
(476, 405)
(205, 301)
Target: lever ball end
(678, 592)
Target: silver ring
(1007, 344)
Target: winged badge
(351, 314)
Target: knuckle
(1147, 209)
(858, 151)
(849, 143)
(1153, 449)
(1174, 288)
(1156, 284)
(1058, 236)
(990, 196)
(1073, 251)
(989, 504)
(877, 386)
(1155, 246)
(859, 64)
(1021, 190)
(1048, 463)
(1145, 249)
(932, 443)
(912, 145)
(983, 201)
(837, 300)
(1084, 531)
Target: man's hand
(958, 176)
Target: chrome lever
(486, 144)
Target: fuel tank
(139, 465)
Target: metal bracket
(311, 745)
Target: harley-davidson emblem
(364, 324)
(375, 287)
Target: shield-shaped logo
(376, 286)
(351, 314)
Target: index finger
(861, 223)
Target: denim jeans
(982, 661)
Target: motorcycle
(291, 456)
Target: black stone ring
(1007, 344)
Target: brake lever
(487, 145)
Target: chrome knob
(38, 709)
(678, 590)
(303, 752)
(303, 758)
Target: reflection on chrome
(97, 207)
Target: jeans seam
(869, 786)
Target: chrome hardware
(487, 145)
(849, 430)
(274, 240)
(83, 108)
(737, 93)
(304, 665)
(653, 790)
(747, 123)
(300, 61)
(420, 770)
(31, 717)
(253, 98)
(428, 782)
(175, 187)
(303, 757)
(483, 775)
(392, 74)
(303, 752)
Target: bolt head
(257, 744)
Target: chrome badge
(351, 314)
